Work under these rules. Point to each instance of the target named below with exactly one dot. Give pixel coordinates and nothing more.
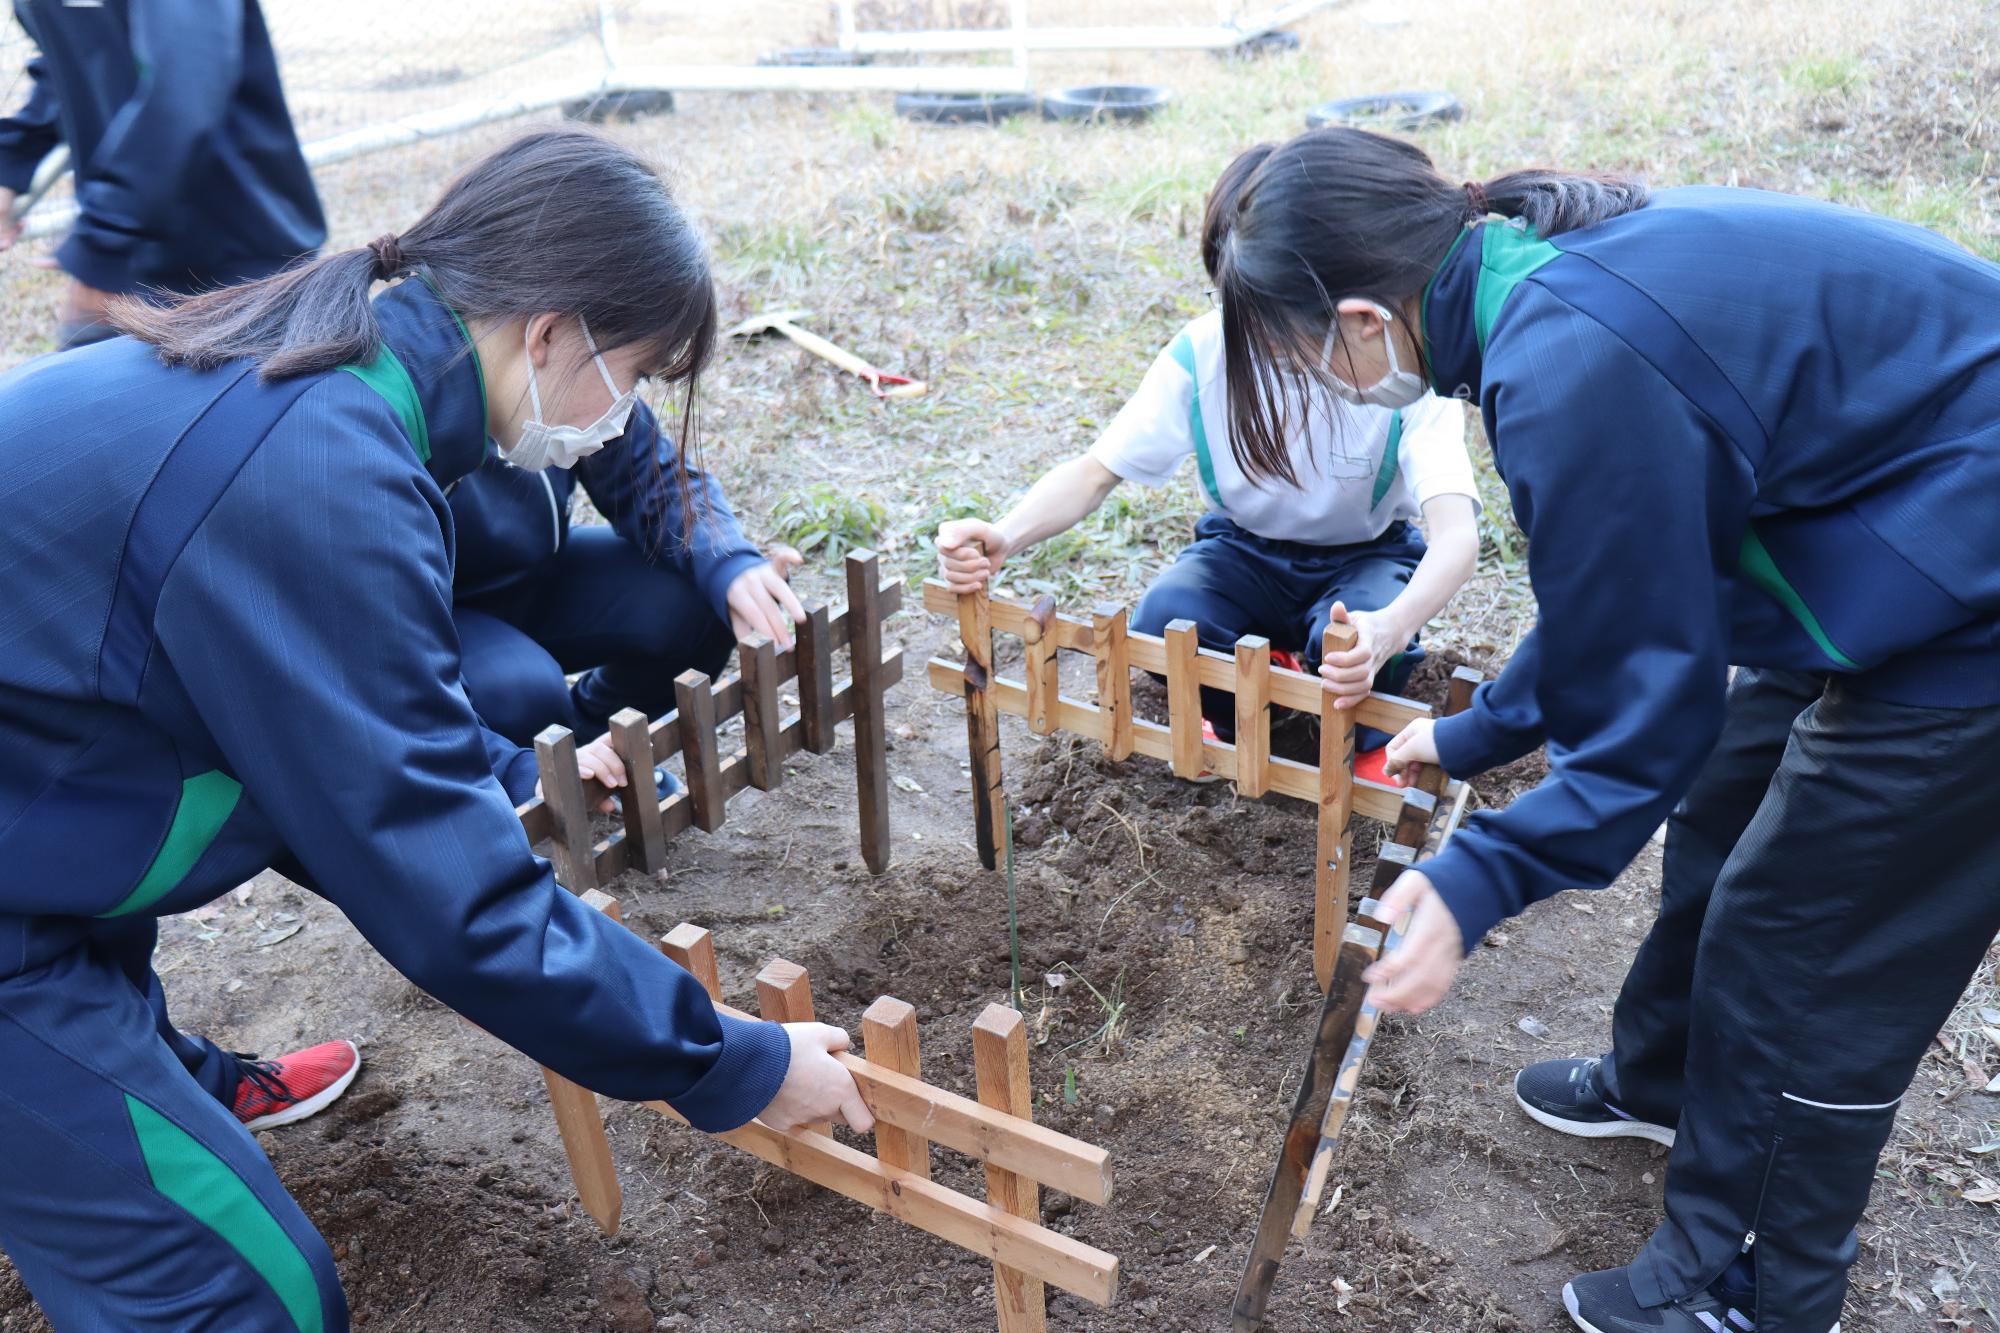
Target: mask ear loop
(534, 393)
(617, 399)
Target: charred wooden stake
(1337, 1017)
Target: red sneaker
(1208, 734)
(1289, 661)
(1373, 765)
(292, 1087)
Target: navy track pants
(1231, 583)
(131, 1199)
(1830, 886)
(600, 608)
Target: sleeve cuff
(1472, 904)
(715, 580)
(1467, 743)
(755, 1059)
(94, 266)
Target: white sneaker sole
(1569, 1291)
(1607, 1129)
(312, 1105)
(1569, 1304)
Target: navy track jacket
(1737, 427)
(194, 686)
(188, 172)
(512, 522)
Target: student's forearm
(1066, 495)
(1448, 562)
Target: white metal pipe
(632, 78)
(1187, 37)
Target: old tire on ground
(627, 105)
(1106, 101)
(1386, 111)
(963, 108)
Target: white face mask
(543, 445)
(1397, 388)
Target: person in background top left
(189, 174)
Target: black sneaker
(1603, 1303)
(1564, 1095)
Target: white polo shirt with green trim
(1360, 469)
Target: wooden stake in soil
(1334, 837)
(631, 737)
(1337, 1017)
(1184, 697)
(871, 759)
(696, 697)
(814, 655)
(1000, 1066)
(982, 722)
(757, 663)
(581, 1124)
(1114, 679)
(562, 791)
(889, 1038)
(784, 995)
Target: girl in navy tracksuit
(667, 584)
(227, 644)
(188, 171)
(1737, 428)
(1332, 536)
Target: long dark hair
(559, 220)
(1293, 229)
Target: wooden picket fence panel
(561, 815)
(1330, 785)
(997, 1129)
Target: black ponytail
(559, 220)
(1292, 230)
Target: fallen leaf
(907, 783)
(1534, 1027)
(1985, 1148)
(1985, 1191)
(281, 933)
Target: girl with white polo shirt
(1336, 540)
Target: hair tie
(1475, 194)
(388, 252)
